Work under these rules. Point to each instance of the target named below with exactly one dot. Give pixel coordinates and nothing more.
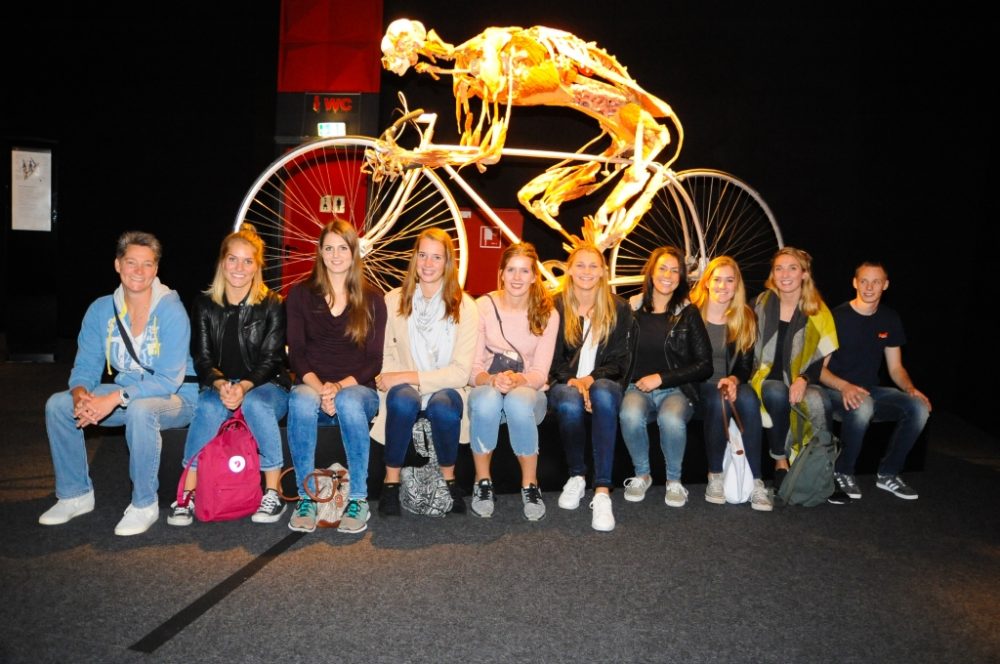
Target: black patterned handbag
(423, 489)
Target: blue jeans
(523, 408)
(263, 407)
(884, 404)
(444, 410)
(605, 400)
(356, 406)
(672, 410)
(748, 408)
(143, 420)
(775, 398)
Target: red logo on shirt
(883, 335)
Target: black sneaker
(839, 497)
(779, 477)
(388, 502)
(271, 508)
(457, 497)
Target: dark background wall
(868, 136)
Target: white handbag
(737, 479)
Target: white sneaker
(715, 492)
(760, 498)
(602, 519)
(137, 520)
(677, 495)
(636, 487)
(572, 492)
(67, 508)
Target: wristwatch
(123, 398)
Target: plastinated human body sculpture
(512, 66)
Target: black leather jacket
(613, 355)
(261, 339)
(688, 351)
(739, 364)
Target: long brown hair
(258, 290)
(603, 317)
(741, 324)
(539, 301)
(360, 317)
(680, 293)
(810, 299)
(451, 290)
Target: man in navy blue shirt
(868, 332)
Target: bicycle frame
(424, 124)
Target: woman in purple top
(336, 327)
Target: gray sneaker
(483, 500)
(677, 495)
(304, 518)
(636, 487)
(848, 485)
(715, 492)
(895, 485)
(534, 508)
(355, 519)
(760, 497)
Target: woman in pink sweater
(517, 335)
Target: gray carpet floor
(879, 580)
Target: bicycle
(705, 212)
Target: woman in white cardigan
(430, 338)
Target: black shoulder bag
(502, 361)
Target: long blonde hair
(810, 301)
(603, 317)
(451, 289)
(741, 324)
(258, 290)
(360, 317)
(539, 301)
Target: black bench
(552, 469)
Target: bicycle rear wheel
(310, 185)
(671, 220)
(735, 221)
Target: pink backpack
(229, 484)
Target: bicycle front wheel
(735, 221)
(319, 181)
(671, 220)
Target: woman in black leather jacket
(673, 355)
(238, 347)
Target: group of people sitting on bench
(339, 352)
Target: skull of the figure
(402, 44)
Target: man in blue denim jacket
(140, 335)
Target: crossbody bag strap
(576, 355)
(500, 323)
(732, 411)
(128, 340)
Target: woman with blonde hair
(518, 325)
(796, 332)
(732, 329)
(238, 347)
(673, 355)
(588, 375)
(336, 327)
(430, 338)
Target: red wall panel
(330, 45)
